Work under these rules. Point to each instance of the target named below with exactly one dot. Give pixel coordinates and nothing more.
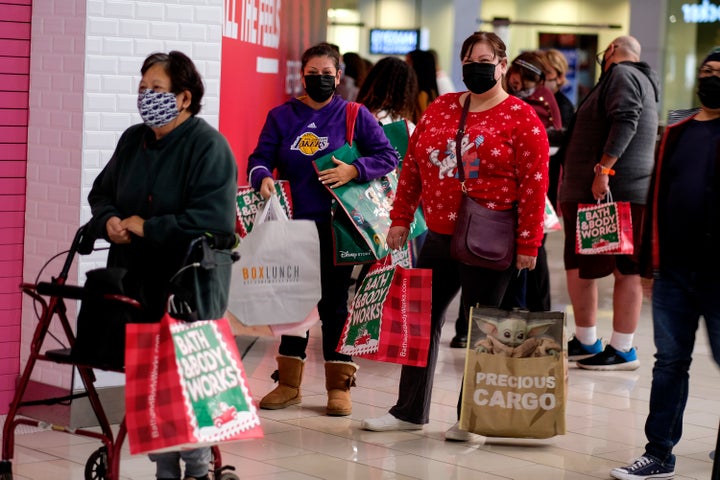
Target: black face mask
(320, 87)
(709, 91)
(479, 77)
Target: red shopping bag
(389, 319)
(185, 386)
(604, 228)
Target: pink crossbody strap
(351, 113)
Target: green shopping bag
(361, 213)
(399, 137)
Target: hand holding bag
(277, 279)
(482, 237)
(249, 202)
(389, 319)
(604, 228)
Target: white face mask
(157, 108)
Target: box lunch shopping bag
(389, 319)
(249, 202)
(604, 228)
(515, 374)
(277, 278)
(185, 386)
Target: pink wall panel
(15, 83)
(15, 47)
(10, 168)
(15, 18)
(13, 117)
(13, 134)
(14, 99)
(17, 13)
(17, 65)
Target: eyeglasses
(706, 71)
(600, 57)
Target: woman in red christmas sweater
(505, 157)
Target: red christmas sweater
(505, 157)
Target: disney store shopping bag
(389, 319)
(604, 228)
(361, 213)
(185, 386)
(515, 374)
(249, 202)
(277, 278)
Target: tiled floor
(605, 417)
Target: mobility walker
(49, 297)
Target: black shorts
(599, 266)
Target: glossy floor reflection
(605, 417)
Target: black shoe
(611, 359)
(458, 341)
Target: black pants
(479, 285)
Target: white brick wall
(85, 67)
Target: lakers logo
(308, 143)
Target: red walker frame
(104, 463)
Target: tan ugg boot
(288, 375)
(339, 377)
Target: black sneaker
(644, 468)
(611, 359)
(458, 341)
(577, 351)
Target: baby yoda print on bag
(515, 374)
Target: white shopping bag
(277, 279)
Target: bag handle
(458, 143)
(351, 113)
(273, 209)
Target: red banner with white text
(262, 43)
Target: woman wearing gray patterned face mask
(171, 179)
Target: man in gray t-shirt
(609, 151)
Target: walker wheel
(227, 476)
(6, 470)
(96, 465)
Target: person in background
(353, 76)
(684, 202)
(610, 149)
(444, 82)
(526, 80)
(506, 160)
(170, 180)
(390, 91)
(556, 67)
(295, 134)
(423, 63)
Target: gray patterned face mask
(157, 108)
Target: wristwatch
(601, 169)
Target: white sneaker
(457, 435)
(388, 423)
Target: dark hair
(496, 44)
(183, 75)
(423, 62)
(322, 49)
(391, 85)
(354, 67)
(529, 66)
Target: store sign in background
(262, 43)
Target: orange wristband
(601, 169)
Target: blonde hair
(555, 59)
